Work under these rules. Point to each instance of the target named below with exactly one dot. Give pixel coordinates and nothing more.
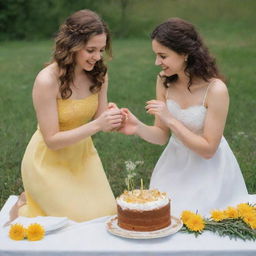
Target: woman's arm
(217, 109)
(45, 92)
(156, 134)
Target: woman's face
(91, 52)
(171, 62)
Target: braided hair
(72, 36)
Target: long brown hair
(182, 37)
(72, 36)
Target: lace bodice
(192, 117)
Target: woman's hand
(110, 119)
(130, 123)
(112, 105)
(159, 108)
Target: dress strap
(206, 92)
(167, 93)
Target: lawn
(132, 82)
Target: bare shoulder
(47, 80)
(218, 92)
(218, 89)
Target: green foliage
(36, 19)
(232, 228)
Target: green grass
(231, 38)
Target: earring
(186, 59)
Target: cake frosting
(142, 200)
(143, 210)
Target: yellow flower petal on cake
(35, 232)
(231, 213)
(195, 223)
(17, 232)
(217, 215)
(186, 215)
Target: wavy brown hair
(182, 37)
(72, 36)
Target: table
(91, 238)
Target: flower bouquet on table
(234, 222)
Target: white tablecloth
(91, 238)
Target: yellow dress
(71, 181)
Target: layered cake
(143, 210)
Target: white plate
(48, 222)
(113, 228)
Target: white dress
(191, 181)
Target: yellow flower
(35, 232)
(185, 216)
(249, 217)
(195, 223)
(245, 209)
(231, 213)
(217, 215)
(252, 224)
(17, 232)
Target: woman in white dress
(197, 168)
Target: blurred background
(27, 30)
(35, 19)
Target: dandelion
(195, 223)
(239, 216)
(130, 166)
(17, 232)
(217, 215)
(244, 206)
(185, 216)
(35, 232)
(250, 219)
(245, 209)
(252, 224)
(231, 213)
(131, 173)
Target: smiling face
(91, 52)
(171, 62)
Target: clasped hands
(123, 121)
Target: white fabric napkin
(49, 223)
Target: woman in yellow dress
(61, 171)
